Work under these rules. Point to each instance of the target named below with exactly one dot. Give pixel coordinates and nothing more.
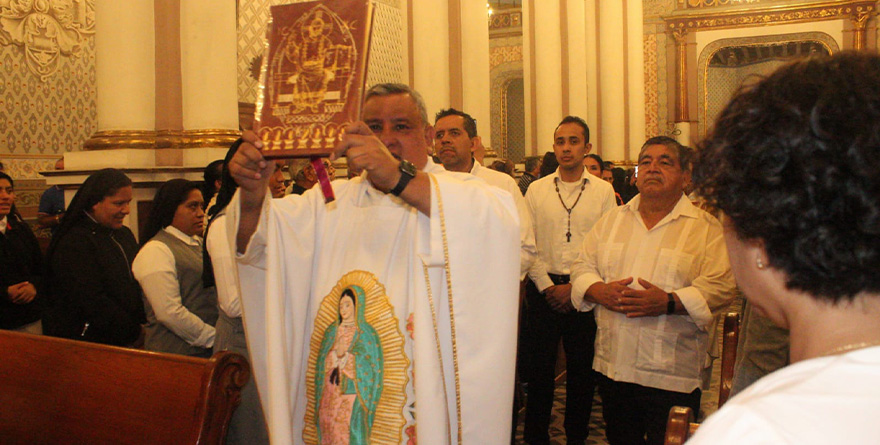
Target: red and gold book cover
(313, 74)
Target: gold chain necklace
(569, 209)
(850, 347)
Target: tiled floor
(597, 425)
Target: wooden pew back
(62, 391)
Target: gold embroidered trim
(451, 309)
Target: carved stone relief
(46, 29)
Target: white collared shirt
(156, 271)
(225, 269)
(550, 220)
(528, 251)
(685, 254)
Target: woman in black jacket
(21, 267)
(95, 296)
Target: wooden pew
(680, 424)
(729, 341)
(63, 391)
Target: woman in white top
(793, 164)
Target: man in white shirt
(342, 302)
(455, 136)
(656, 271)
(564, 206)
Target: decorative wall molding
(504, 54)
(714, 3)
(47, 29)
(652, 104)
(708, 105)
(505, 20)
(105, 140)
(704, 19)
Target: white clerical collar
(191, 240)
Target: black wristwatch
(670, 306)
(407, 172)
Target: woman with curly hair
(793, 164)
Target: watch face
(408, 168)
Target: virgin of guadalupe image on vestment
(357, 367)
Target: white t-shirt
(825, 400)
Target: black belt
(559, 279)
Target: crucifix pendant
(568, 236)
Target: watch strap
(670, 306)
(407, 172)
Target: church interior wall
(47, 92)
(51, 109)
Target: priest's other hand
(365, 151)
(250, 170)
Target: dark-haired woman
(793, 165)
(21, 267)
(94, 294)
(181, 311)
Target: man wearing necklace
(564, 206)
(656, 271)
(801, 228)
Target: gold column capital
(859, 18)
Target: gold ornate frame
(713, 48)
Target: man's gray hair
(532, 162)
(390, 89)
(685, 154)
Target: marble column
(449, 63)
(585, 58)
(167, 96)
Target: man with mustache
(656, 271)
(455, 137)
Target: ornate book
(313, 74)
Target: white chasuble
(347, 312)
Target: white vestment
(303, 247)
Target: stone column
(585, 58)
(167, 96)
(126, 70)
(450, 58)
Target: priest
(384, 315)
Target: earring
(759, 263)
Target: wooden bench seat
(680, 425)
(62, 391)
